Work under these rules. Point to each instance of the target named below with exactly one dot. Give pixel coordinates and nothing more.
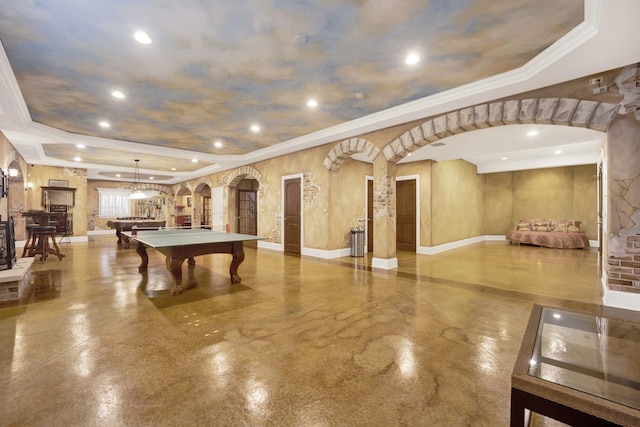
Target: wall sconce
(29, 186)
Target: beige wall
(457, 201)
(498, 203)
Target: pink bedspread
(550, 239)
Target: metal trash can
(357, 241)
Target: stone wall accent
(310, 189)
(623, 272)
(560, 111)
(382, 196)
(347, 148)
(241, 173)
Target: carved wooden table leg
(238, 257)
(174, 265)
(142, 251)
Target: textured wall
(457, 201)
(498, 203)
(557, 193)
(347, 189)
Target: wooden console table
(582, 369)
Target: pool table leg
(174, 265)
(142, 251)
(237, 250)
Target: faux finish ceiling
(215, 68)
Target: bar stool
(40, 237)
(27, 244)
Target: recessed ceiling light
(302, 39)
(150, 177)
(557, 152)
(117, 94)
(81, 146)
(503, 158)
(217, 144)
(557, 316)
(77, 159)
(409, 155)
(532, 133)
(312, 103)
(255, 128)
(173, 169)
(142, 37)
(194, 160)
(118, 175)
(104, 124)
(412, 59)
(360, 95)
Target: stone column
(384, 214)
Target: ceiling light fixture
(532, 133)
(557, 152)
(217, 144)
(360, 95)
(412, 59)
(173, 169)
(194, 160)
(104, 124)
(503, 158)
(118, 175)
(255, 128)
(77, 159)
(312, 103)
(142, 37)
(117, 94)
(81, 146)
(136, 189)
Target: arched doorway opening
(184, 208)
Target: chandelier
(137, 193)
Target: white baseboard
(325, 254)
(594, 243)
(385, 264)
(618, 299)
(270, 245)
(432, 250)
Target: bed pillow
(524, 225)
(542, 225)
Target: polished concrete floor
(300, 342)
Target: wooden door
(406, 208)
(247, 212)
(205, 222)
(369, 216)
(292, 215)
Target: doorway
(247, 212)
(406, 218)
(292, 215)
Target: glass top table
(579, 368)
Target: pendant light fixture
(137, 193)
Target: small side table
(582, 369)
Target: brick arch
(241, 173)
(550, 111)
(345, 149)
(184, 188)
(201, 183)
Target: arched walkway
(347, 148)
(556, 111)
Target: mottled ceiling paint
(214, 68)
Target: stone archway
(550, 111)
(230, 182)
(347, 148)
